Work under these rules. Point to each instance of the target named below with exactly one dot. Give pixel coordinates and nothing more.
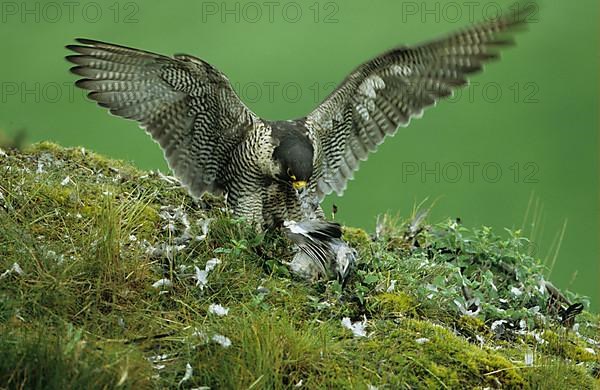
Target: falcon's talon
(214, 143)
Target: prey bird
(278, 171)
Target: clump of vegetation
(113, 277)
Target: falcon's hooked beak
(299, 184)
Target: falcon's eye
(289, 172)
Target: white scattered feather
(158, 358)
(2, 153)
(16, 268)
(201, 277)
(217, 309)
(587, 339)
(591, 341)
(358, 328)
(529, 358)
(299, 384)
(516, 292)
(422, 340)
(324, 304)
(162, 283)
(66, 181)
(379, 226)
(392, 286)
(170, 226)
(262, 290)
(189, 371)
(538, 337)
(534, 309)
(542, 286)
(184, 220)
(211, 264)
(590, 350)
(433, 288)
(498, 325)
(40, 168)
(466, 308)
(523, 324)
(61, 259)
(202, 274)
(204, 225)
(481, 340)
(225, 342)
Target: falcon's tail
(322, 250)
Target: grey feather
(322, 252)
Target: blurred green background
(523, 137)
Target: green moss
(357, 237)
(471, 327)
(398, 303)
(437, 356)
(81, 310)
(82, 158)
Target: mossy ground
(83, 241)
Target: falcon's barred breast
(276, 171)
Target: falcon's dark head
(294, 154)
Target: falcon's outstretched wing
(387, 91)
(184, 103)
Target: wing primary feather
(184, 103)
(384, 93)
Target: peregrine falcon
(277, 171)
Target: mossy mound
(114, 277)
